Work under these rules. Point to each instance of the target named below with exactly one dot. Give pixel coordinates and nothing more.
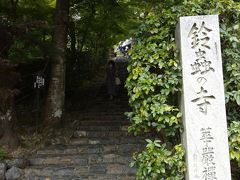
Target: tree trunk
(72, 34)
(14, 5)
(56, 92)
(8, 138)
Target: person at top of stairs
(110, 79)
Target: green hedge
(154, 83)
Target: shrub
(155, 82)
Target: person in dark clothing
(110, 79)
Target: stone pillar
(203, 103)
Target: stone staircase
(100, 148)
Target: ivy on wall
(154, 83)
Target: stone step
(110, 117)
(104, 97)
(81, 159)
(101, 128)
(97, 112)
(100, 117)
(60, 159)
(106, 101)
(104, 106)
(106, 140)
(83, 177)
(96, 117)
(103, 123)
(89, 149)
(34, 177)
(79, 170)
(101, 133)
(110, 103)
